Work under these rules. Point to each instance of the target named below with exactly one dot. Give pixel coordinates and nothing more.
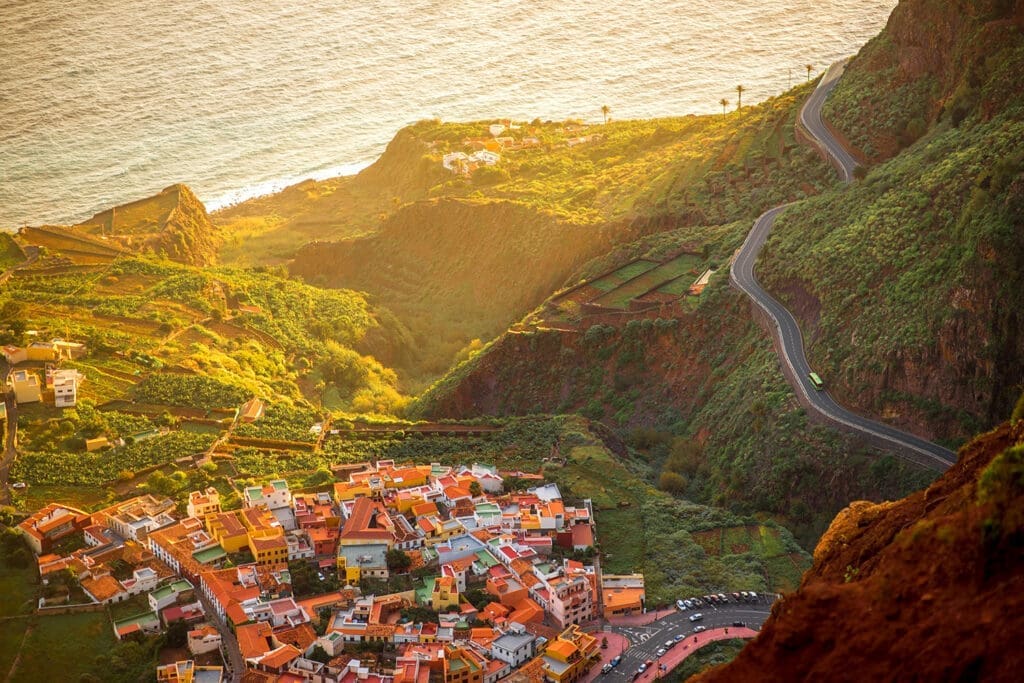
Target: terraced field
(684, 264)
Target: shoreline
(268, 187)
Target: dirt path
(17, 657)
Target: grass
(713, 654)
(17, 591)
(10, 253)
(615, 279)
(62, 648)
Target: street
(647, 639)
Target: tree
(724, 102)
(475, 489)
(177, 633)
(809, 68)
(319, 654)
(672, 482)
(606, 110)
(739, 97)
(398, 561)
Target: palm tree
(739, 96)
(809, 68)
(724, 102)
(606, 110)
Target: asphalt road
(787, 332)
(647, 639)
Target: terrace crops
(189, 390)
(60, 467)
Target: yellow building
(228, 531)
(26, 386)
(462, 665)
(445, 593)
(351, 574)
(202, 504)
(568, 657)
(269, 550)
(350, 491)
(44, 351)
(266, 536)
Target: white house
(203, 639)
(65, 387)
(455, 161)
(485, 157)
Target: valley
(534, 381)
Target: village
(409, 573)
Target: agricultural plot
(616, 278)
(649, 279)
(76, 638)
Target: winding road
(786, 331)
(648, 638)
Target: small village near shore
(493, 583)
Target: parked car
(669, 643)
(739, 624)
(660, 651)
(736, 597)
(753, 595)
(678, 637)
(642, 668)
(698, 629)
(680, 604)
(696, 617)
(606, 668)
(616, 661)
(688, 603)
(19, 485)
(723, 597)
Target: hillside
(698, 375)
(172, 224)
(934, 62)
(455, 269)
(483, 249)
(924, 588)
(896, 279)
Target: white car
(696, 617)
(19, 485)
(680, 604)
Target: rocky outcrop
(928, 588)
(188, 236)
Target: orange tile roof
(301, 636)
(365, 521)
(562, 648)
(526, 611)
(253, 639)
(421, 509)
(103, 587)
(280, 657)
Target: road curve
(787, 332)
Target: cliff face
(936, 60)
(173, 224)
(188, 236)
(927, 588)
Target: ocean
(105, 101)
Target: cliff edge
(928, 588)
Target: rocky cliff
(928, 588)
(173, 224)
(936, 60)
